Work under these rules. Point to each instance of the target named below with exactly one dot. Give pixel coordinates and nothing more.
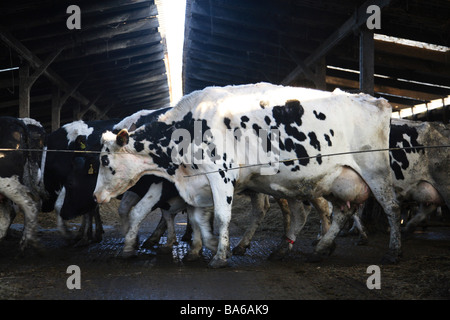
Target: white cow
(191, 145)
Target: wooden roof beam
(35, 62)
(358, 18)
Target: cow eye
(105, 161)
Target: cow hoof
(391, 257)
(128, 254)
(165, 249)
(190, 257)
(149, 244)
(217, 263)
(239, 251)
(97, 238)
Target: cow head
(121, 165)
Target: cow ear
(132, 127)
(122, 137)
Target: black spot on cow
(227, 122)
(289, 114)
(229, 199)
(105, 160)
(313, 141)
(267, 120)
(139, 146)
(288, 144)
(244, 119)
(399, 158)
(319, 115)
(113, 172)
(319, 158)
(256, 128)
(328, 140)
(332, 132)
(302, 155)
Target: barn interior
(117, 62)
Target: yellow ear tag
(91, 170)
(82, 146)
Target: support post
(76, 111)
(366, 61)
(56, 109)
(320, 75)
(24, 91)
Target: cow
(417, 175)
(307, 122)
(151, 192)
(62, 163)
(20, 175)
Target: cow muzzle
(101, 197)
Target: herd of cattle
(332, 151)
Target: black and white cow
(20, 175)
(307, 122)
(81, 171)
(418, 175)
(60, 166)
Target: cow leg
(196, 243)
(60, 222)
(223, 199)
(298, 220)
(379, 180)
(12, 189)
(392, 210)
(260, 206)
(85, 231)
(137, 215)
(323, 209)
(154, 238)
(129, 199)
(422, 213)
(187, 236)
(63, 229)
(284, 207)
(5, 219)
(326, 243)
(363, 238)
(171, 235)
(98, 225)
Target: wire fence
(241, 166)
